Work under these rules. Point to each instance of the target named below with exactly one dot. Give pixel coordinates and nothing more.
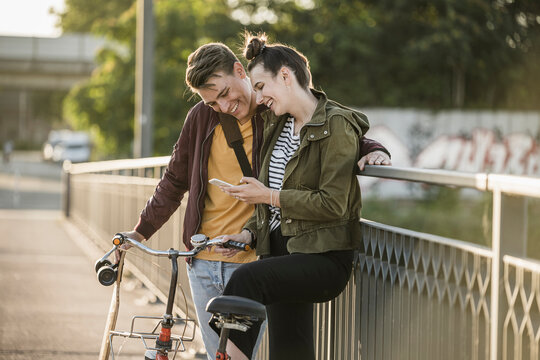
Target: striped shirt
(285, 147)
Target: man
(201, 153)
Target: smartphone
(218, 182)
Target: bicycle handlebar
(146, 249)
(106, 270)
(199, 242)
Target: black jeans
(289, 284)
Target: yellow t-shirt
(223, 214)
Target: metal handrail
(528, 264)
(514, 185)
(436, 177)
(509, 184)
(111, 165)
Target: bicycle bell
(199, 240)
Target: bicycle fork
(164, 342)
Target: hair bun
(254, 47)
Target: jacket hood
(327, 108)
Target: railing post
(66, 182)
(509, 237)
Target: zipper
(254, 154)
(287, 174)
(199, 215)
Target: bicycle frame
(164, 339)
(164, 342)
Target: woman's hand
(252, 191)
(243, 237)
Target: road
(51, 305)
(28, 183)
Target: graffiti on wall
(516, 154)
(484, 150)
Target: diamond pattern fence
(411, 295)
(521, 329)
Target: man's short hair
(204, 62)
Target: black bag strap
(235, 141)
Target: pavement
(51, 304)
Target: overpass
(37, 71)
(31, 63)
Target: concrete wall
(470, 141)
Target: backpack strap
(235, 141)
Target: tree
(441, 53)
(97, 17)
(432, 54)
(105, 103)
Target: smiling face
(272, 91)
(230, 94)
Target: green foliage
(533, 230)
(440, 211)
(436, 54)
(98, 17)
(104, 104)
(407, 53)
(450, 213)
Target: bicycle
(229, 312)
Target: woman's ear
(285, 74)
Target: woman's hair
(207, 60)
(274, 56)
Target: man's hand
(374, 158)
(243, 237)
(125, 247)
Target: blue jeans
(207, 279)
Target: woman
(306, 221)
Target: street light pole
(144, 80)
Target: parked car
(67, 145)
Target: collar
(318, 127)
(319, 115)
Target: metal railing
(412, 295)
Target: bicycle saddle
(236, 305)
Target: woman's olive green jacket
(320, 197)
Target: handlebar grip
(118, 239)
(237, 245)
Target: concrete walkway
(51, 304)
(45, 303)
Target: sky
(29, 18)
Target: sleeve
(172, 186)
(337, 176)
(369, 145)
(251, 224)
